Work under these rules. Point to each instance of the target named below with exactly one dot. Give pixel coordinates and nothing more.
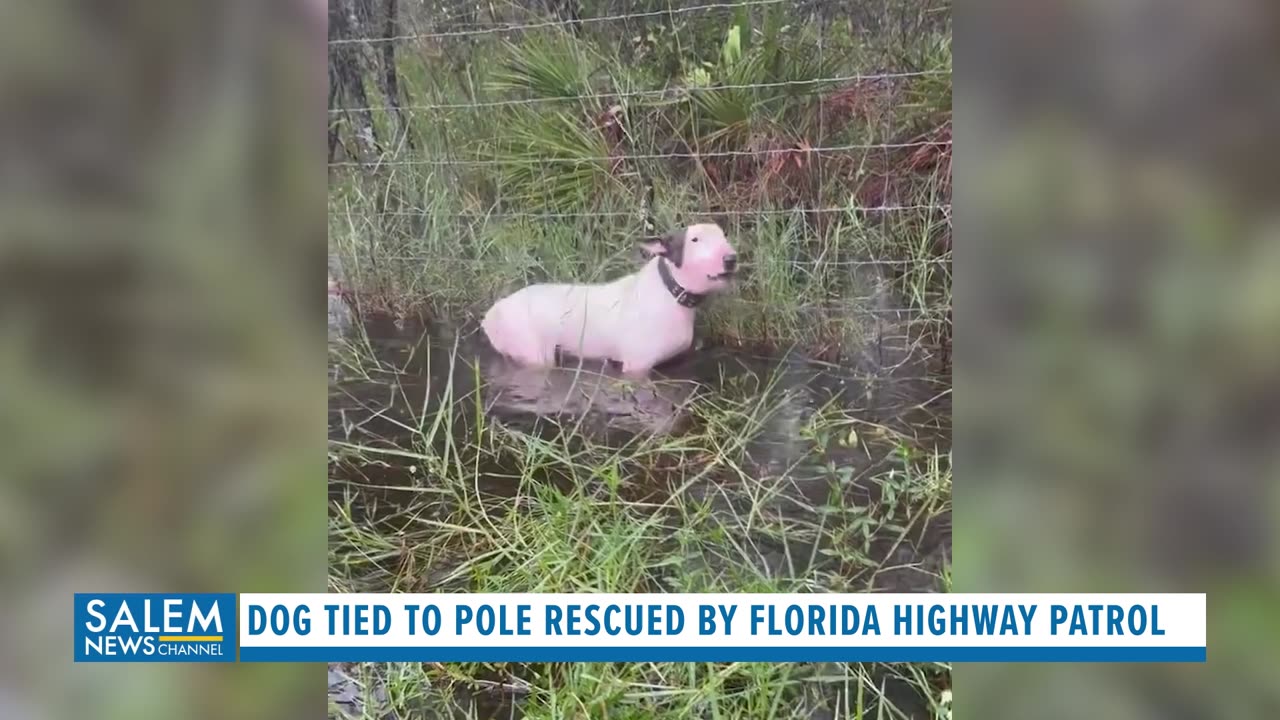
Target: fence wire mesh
(477, 147)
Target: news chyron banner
(1155, 628)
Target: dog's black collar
(682, 296)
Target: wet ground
(898, 400)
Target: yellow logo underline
(190, 638)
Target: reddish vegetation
(862, 100)
(890, 175)
(785, 171)
(935, 158)
(609, 122)
(781, 170)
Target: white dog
(639, 320)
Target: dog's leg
(533, 353)
(546, 355)
(636, 371)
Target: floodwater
(420, 363)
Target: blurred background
(161, 240)
(1117, 357)
(161, 335)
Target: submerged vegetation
(466, 161)
(432, 492)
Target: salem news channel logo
(152, 627)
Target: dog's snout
(730, 262)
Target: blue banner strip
(727, 654)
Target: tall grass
(442, 237)
(477, 506)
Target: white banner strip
(722, 627)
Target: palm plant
(554, 65)
(549, 153)
(553, 160)
(760, 78)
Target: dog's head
(702, 260)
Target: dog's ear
(654, 245)
(675, 246)
(670, 245)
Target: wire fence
(501, 136)
(943, 207)
(557, 23)
(673, 92)
(710, 154)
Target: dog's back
(581, 319)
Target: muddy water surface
(896, 399)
